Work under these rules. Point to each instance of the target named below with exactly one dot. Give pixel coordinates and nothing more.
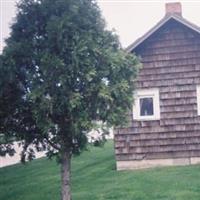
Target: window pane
(146, 106)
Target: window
(198, 99)
(146, 105)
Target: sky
(129, 18)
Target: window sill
(149, 119)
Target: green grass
(94, 178)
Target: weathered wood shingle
(171, 62)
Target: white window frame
(198, 99)
(147, 93)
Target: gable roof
(164, 20)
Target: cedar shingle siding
(171, 62)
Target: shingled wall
(171, 62)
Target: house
(164, 125)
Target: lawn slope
(94, 178)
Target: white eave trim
(159, 25)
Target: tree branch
(52, 144)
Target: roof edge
(165, 19)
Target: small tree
(72, 73)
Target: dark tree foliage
(61, 72)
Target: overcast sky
(130, 18)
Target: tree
(72, 73)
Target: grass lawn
(94, 178)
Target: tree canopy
(67, 73)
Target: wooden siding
(171, 62)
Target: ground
(94, 178)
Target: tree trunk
(65, 175)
